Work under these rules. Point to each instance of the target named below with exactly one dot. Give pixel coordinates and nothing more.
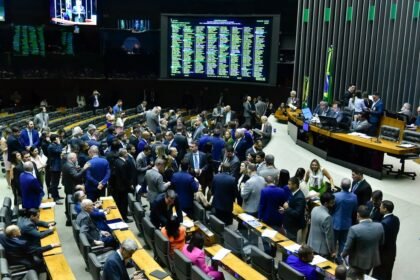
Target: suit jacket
(362, 127)
(185, 186)
(321, 235)
(202, 159)
(362, 245)
(363, 192)
(88, 227)
(388, 250)
(133, 140)
(224, 192)
(142, 167)
(152, 120)
(198, 132)
(30, 233)
(70, 176)
(114, 268)
(99, 171)
(13, 145)
(140, 109)
(41, 120)
(260, 108)
(240, 147)
(218, 144)
(122, 176)
(54, 157)
(251, 193)
(160, 213)
(17, 250)
(24, 138)
(182, 145)
(345, 209)
(235, 166)
(31, 191)
(272, 197)
(328, 113)
(247, 109)
(377, 112)
(294, 216)
(266, 171)
(232, 117)
(305, 268)
(293, 101)
(375, 213)
(155, 185)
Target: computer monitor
(330, 122)
(307, 114)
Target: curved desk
(341, 148)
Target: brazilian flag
(305, 92)
(328, 95)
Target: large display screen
(240, 48)
(2, 12)
(73, 12)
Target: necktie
(30, 137)
(355, 186)
(236, 144)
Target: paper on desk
(293, 248)
(358, 134)
(254, 223)
(47, 205)
(246, 217)
(188, 223)
(406, 145)
(118, 225)
(221, 254)
(269, 233)
(318, 259)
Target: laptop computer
(328, 122)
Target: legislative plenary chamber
(211, 139)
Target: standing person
(241, 145)
(115, 265)
(152, 120)
(251, 191)
(376, 112)
(314, 177)
(374, 206)
(248, 113)
(40, 162)
(13, 144)
(260, 107)
(267, 168)
(321, 234)
(185, 186)
(348, 94)
(117, 109)
(388, 250)
(176, 235)
(54, 158)
(196, 159)
(181, 143)
(154, 180)
(30, 188)
(224, 192)
(95, 101)
(4, 150)
(360, 187)
(97, 175)
(122, 185)
(163, 208)
(41, 120)
(294, 210)
(16, 169)
(345, 210)
(243, 177)
(363, 242)
(29, 136)
(110, 117)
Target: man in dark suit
(114, 268)
(265, 131)
(374, 205)
(360, 187)
(181, 143)
(388, 250)
(198, 131)
(29, 137)
(54, 158)
(224, 193)
(196, 159)
(228, 116)
(135, 138)
(71, 173)
(141, 108)
(323, 109)
(162, 208)
(241, 145)
(17, 250)
(363, 242)
(233, 161)
(152, 119)
(97, 175)
(95, 101)
(13, 143)
(30, 187)
(170, 140)
(122, 185)
(218, 144)
(185, 185)
(294, 210)
(375, 113)
(29, 228)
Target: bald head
(93, 151)
(28, 166)
(12, 231)
(72, 157)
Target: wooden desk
(114, 213)
(280, 116)
(146, 262)
(122, 235)
(47, 215)
(58, 267)
(50, 239)
(235, 264)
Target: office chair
(182, 266)
(286, 272)
(198, 274)
(263, 263)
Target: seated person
(337, 114)
(361, 124)
(18, 251)
(194, 251)
(98, 216)
(340, 272)
(176, 235)
(29, 229)
(323, 109)
(88, 227)
(115, 265)
(406, 110)
(293, 100)
(161, 209)
(415, 121)
(302, 262)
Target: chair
(198, 274)
(95, 266)
(409, 137)
(2, 227)
(2, 252)
(199, 213)
(286, 272)
(389, 133)
(138, 214)
(217, 227)
(131, 201)
(100, 251)
(5, 216)
(263, 263)
(236, 243)
(149, 233)
(7, 202)
(76, 230)
(14, 272)
(162, 249)
(182, 266)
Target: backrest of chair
(138, 215)
(182, 265)
(198, 274)
(2, 252)
(7, 202)
(4, 268)
(199, 212)
(2, 227)
(162, 248)
(131, 201)
(149, 232)
(262, 262)
(95, 266)
(31, 275)
(233, 241)
(85, 246)
(76, 230)
(411, 136)
(218, 227)
(389, 133)
(5, 216)
(286, 272)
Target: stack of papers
(118, 225)
(406, 145)
(293, 248)
(361, 135)
(188, 223)
(221, 254)
(269, 233)
(318, 259)
(47, 205)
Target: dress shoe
(128, 220)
